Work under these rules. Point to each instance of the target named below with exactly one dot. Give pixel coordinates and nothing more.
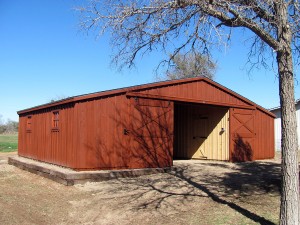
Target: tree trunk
(289, 209)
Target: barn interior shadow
(195, 125)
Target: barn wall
(40, 140)
(264, 140)
(242, 134)
(116, 130)
(23, 144)
(118, 133)
(198, 132)
(150, 131)
(199, 91)
(99, 135)
(251, 135)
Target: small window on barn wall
(55, 120)
(28, 124)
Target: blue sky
(43, 55)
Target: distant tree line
(9, 126)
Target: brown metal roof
(140, 88)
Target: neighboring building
(277, 112)
(147, 126)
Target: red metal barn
(147, 126)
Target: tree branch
(239, 21)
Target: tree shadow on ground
(224, 183)
(247, 179)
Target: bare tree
(1, 120)
(11, 126)
(190, 65)
(138, 27)
(2, 125)
(57, 98)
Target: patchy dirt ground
(197, 192)
(5, 155)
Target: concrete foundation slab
(70, 177)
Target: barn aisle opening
(201, 132)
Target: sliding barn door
(242, 134)
(151, 132)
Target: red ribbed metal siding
(242, 134)
(150, 130)
(117, 133)
(200, 91)
(99, 137)
(265, 142)
(251, 135)
(130, 128)
(44, 143)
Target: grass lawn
(8, 142)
